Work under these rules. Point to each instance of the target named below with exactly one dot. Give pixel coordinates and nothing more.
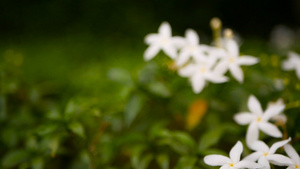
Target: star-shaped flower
(199, 73)
(191, 48)
(233, 162)
(266, 155)
(294, 156)
(235, 61)
(258, 120)
(162, 41)
(292, 63)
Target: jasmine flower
(294, 156)
(233, 162)
(292, 63)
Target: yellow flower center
(297, 166)
(231, 60)
(258, 119)
(164, 41)
(266, 154)
(231, 165)
(192, 48)
(202, 70)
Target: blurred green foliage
(82, 102)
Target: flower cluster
(258, 120)
(199, 63)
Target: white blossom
(199, 73)
(234, 61)
(233, 162)
(291, 152)
(265, 155)
(292, 63)
(162, 41)
(258, 120)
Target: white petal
(183, 57)
(252, 134)
(151, 51)
(247, 60)
(272, 111)
(187, 71)
(165, 29)
(151, 38)
(291, 167)
(170, 50)
(270, 129)
(235, 152)
(237, 72)
(216, 160)
(259, 146)
(247, 164)
(215, 78)
(278, 144)
(254, 106)
(243, 118)
(254, 156)
(179, 42)
(221, 68)
(198, 83)
(292, 153)
(232, 47)
(279, 160)
(225, 166)
(192, 36)
(263, 161)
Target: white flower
(281, 118)
(292, 63)
(198, 73)
(233, 162)
(234, 61)
(294, 156)
(258, 120)
(266, 155)
(191, 48)
(162, 41)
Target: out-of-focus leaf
(159, 89)
(31, 143)
(77, 128)
(136, 153)
(53, 145)
(196, 112)
(53, 114)
(185, 139)
(14, 157)
(46, 129)
(71, 109)
(186, 162)
(38, 163)
(132, 108)
(210, 138)
(120, 75)
(2, 107)
(147, 73)
(163, 161)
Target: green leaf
(159, 88)
(210, 138)
(145, 161)
(15, 157)
(53, 145)
(38, 163)
(77, 128)
(186, 162)
(121, 76)
(185, 139)
(46, 129)
(71, 109)
(132, 108)
(163, 161)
